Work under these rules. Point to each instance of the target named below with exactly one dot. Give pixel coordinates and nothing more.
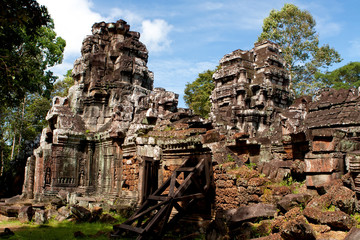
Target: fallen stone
(337, 220)
(95, 214)
(51, 214)
(9, 211)
(344, 199)
(354, 234)
(26, 214)
(107, 218)
(80, 213)
(273, 236)
(250, 212)
(64, 211)
(296, 229)
(63, 195)
(293, 200)
(38, 206)
(293, 213)
(319, 228)
(58, 202)
(333, 235)
(277, 223)
(339, 196)
(40, 217)
(13, 199)
(281, 191)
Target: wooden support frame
(157, 208)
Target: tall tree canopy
(28, 47)
(347, 76)
(294, 30)
(197, 93)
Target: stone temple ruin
(117, 137)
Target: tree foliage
(294, 30)
(28, 47)
(197, 94)
(61, 87)
(347, 76)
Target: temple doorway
(150, 180)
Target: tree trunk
(2, 162)
(13, 146)
(21, 124)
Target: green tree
(61, 87)
(197, 93)
(28, 47)
(294, 30)
(347, 76)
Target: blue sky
(187, 37)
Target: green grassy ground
(59, 230)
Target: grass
(55, 230)
(356, 216)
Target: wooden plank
(185, 169)
(158, 198)
(184, 185)
(142, 207)
(150, 209)
(207, 176)
(178, 207)
(167, 215)
(172, 185)
(156, 218)
(162, 188)
(188, 197)
(131, 228)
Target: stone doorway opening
(150, 179)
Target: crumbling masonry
(117, 137)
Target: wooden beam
(159, 198)
(188, 197)
(185, 169)
(156, 218)
(131, 228)
(150, 209)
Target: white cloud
(155, 35)
(133, 19)
(73, 20)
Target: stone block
(40, 217)
(321, 179)
(250, 212)
(26, 214)
(323, 146)
(337, 220)
(354, 234)
(323, 165)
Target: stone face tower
(249, 87)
